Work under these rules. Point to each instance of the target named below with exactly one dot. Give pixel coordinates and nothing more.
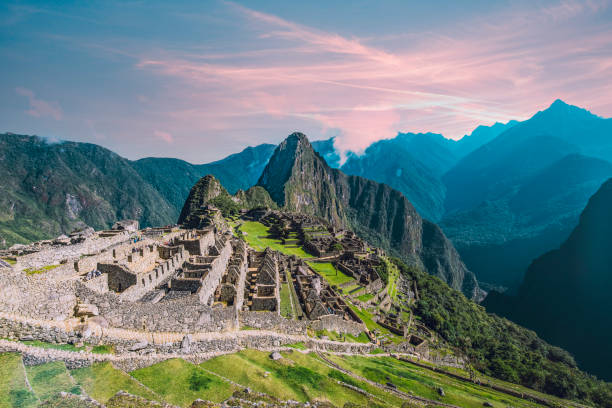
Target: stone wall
(217, 269)
(98, 284)
(185, 314)
(338, 324)
(272, 321)
(57, 254)
(35, 297)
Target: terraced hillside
(327, 380)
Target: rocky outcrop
(299, 180)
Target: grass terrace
(180, 382)
(332, 275)
(297, 376)
(425, 383)
(257, 236)
(101, 381)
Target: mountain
(414, 164)
(327, 150)
(51, 188)
(174, 178)
(411, 163)
(520, 194)
(565, 296)
(479, 136)
(298, 179)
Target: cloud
(165, 136)
(38, 107)
(477, 72)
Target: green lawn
(13, 389)
(297, 376)
(257, 237)
(393, 277)
(101, 381)
(180, 382)
(422, 382)
(285, 301)
(330, 273)
(365, 297)
(50, 378)
(101, 349)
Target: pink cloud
(165, 136)
(38, 107)
(448, 83)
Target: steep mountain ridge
(51, 188)
(298, 179)
(565, 295)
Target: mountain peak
(561, 108)
(298, 136)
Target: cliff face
(565, 296)
(298, 179)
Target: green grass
(257, 237)
(298, 346)
(9, 261)
(362, 338)
(30, 271)
(352, 290)
(13, 389)
(368, 320)
(365, 297)
(330, 273)
(422, 382)
(101, 349)
(286, 301)
(393, 276)
(180, 382)
(50, 378)
(101, 381)
(297, 376)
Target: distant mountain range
(504, 194)
(565, 296)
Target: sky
(203, 79)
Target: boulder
(186, 343)
(441, 391)
(276, 356)
(487, 404)
(139, 346)
(62, 240)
